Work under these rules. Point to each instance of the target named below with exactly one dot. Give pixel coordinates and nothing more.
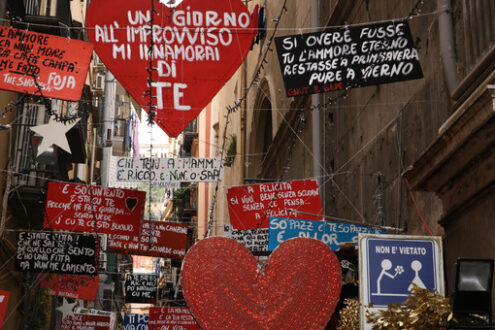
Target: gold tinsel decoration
(423, 309)
(349, 315)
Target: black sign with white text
(140, 288)
(56, 253)
(348, 57)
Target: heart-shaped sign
(131, 203)
(298, 287)
(197, 47)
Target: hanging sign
(71, 286)
(136, 321)
(389, 265)
(76, 207)
(297, 288)
(171, 318)
(251, 206)
(348, 57)
(165, 170)
(4, 302)
(30, 59)
(197, 47)
(169, 240)
(56, 253)
(331, 233)
(97, 312)
(140, 288)
(86, 321)
(256, 240)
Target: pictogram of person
(416, 266)
(386, 265)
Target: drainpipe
(447, 50)
(315, 118)
(108, 119)
(3, 7)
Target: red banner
(71, 286)
(198, 46)
(59, 65)
(86, 321)
(251, 206)
(173, 317)
(81, 207)
(169, 241)
(4, 302)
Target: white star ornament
(53, 133)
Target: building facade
(371, 148)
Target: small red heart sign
(298, 287)
(197, 46)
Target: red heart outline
(298, 287)
(203, 78)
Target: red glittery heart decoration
(298, 287)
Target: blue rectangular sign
(331, 233)
(136, 322)
(390, 266)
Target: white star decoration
(66, 309)
(53, 133)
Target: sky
(157, 134)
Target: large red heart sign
(298, 287)
(197, 47)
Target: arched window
(261, 135)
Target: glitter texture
(298, 287)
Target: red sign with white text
(59, 65)
(169, 240)
(197, 46)
(4, 302)
(85, 321)
(251, 206)
(171, 318)
(71, 286)
(82, 207)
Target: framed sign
(389, 265)
(56, 253)
(81, 207)
(348, 57)
(30, 59)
